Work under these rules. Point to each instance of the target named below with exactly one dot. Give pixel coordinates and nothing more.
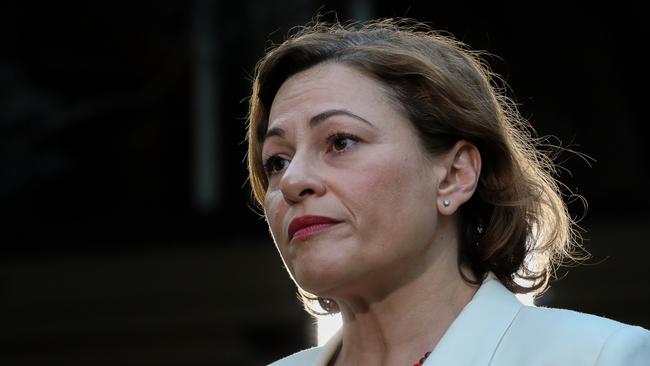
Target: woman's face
(337, 149)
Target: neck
(400, 327)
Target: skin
(391, 263)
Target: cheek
(392, 198)
(394, 185)
(275, 210)
(274, 213)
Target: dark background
(128, 236)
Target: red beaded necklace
(421, 362)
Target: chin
(319, 278)
(313, 280)
(321, 266)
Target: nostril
(306, 191)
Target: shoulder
(302, 358)
(573, 338)
(561, 321)
(628, 346)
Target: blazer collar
(474, 336)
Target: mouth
(304, 227)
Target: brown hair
(516, 225)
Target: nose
(300, 181)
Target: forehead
(323, 87)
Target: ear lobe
(463, 169)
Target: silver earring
(479, 232)
(446, 203)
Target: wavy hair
(516, 225)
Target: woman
(404, 191)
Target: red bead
(421, 362)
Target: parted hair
(516, 225)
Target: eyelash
(269, 162)
(331, 140)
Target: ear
(462, 170)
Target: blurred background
(128, 234)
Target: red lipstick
(303, 227)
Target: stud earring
(446, 203)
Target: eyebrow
(315, 120)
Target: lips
(305, 226)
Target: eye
(340, 142)
(274, 165)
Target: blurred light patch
(327, 326)
(526, 299)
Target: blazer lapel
(474, 336)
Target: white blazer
(496, 329)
